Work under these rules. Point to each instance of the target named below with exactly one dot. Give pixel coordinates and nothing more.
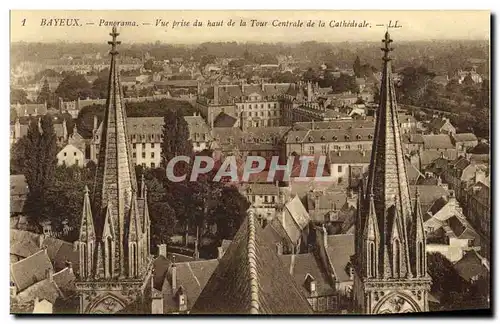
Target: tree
(446, 282)
(40, 163)
(148, 65)
(17, 156)
(63, 199)
(100, 87)
(345, 83)
(207, 59)
(357, 67)
(229, 212)
(175, 137)
(74, 86)
(45, 95)
(309, 75)
(18, 96)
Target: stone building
(114, 239)
(390, 262)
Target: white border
(254, 4)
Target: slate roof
(65, 281)
(44, 289)
(298, 212)
(440, 141)
(340, 248)
(31, 270)
(472, 264)
(350, 157)
(300, 265)
(428, 194)
(224, 120)
(260, 189)
(330, 135)
(464, 137)
(60, 252)
(437, 123)
(251, 279)
(192, 276)
(23, 243)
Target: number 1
(24, 22)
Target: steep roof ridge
(252, 263)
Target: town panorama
(250, 178)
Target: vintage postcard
(250, 162)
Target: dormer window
(358, 137)
(310, 284)
(334, 138)
(347, 137)
(370, 136)
(322, 138)
(310, 139)
(297, 139)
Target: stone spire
(115, 174)
(417, 240)
(387, 178)
(87, 231)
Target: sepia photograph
(189, 162)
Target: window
(311, 149)
(360, 146)
(152, 155)
(74, 153)
(152, 164)
(262, 106)
(339, 170)
(275, 105)
(76, 162)
(265, 199)
(273, 199)
(65, 153)
(323, 149)
(372, 260)
(143, 146)
(143, 155)
(134, 155)
(152, 145)
(348, 147)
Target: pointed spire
(87, 232)
(371, 231)
(134, 229)
(143, 185)
(115, 173)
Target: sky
(28, 26)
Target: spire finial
(386, 49)
(114, 33)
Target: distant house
(464, 141)
(441, 126)
(71, 155)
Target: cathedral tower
(390, 262)
(114, 239)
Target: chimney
(69, 265)
(156, 302)
(279, 248)
(312, 285)
(13, 290)
(262, 85)
(216, 95)
(64, 129)
(162, 250)
(41, 239)
(95, 123)
(220, 252)
(174, 277)
(196, 252)
(49, 274)
(309, 91)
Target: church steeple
(417, 240)
(384, 272)
(387, 178)
(115, 174)
(120, 255)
